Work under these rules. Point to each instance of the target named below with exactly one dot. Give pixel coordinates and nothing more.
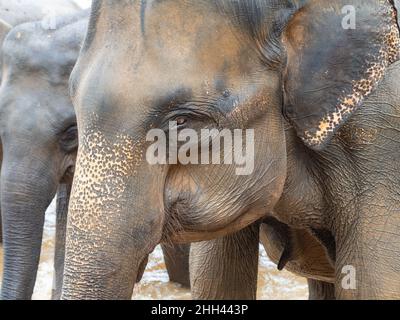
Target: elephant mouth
(178, 231)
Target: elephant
(41, 150)
(318, 102)
(39, 138)
(13, 13)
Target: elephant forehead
(173, 37)
(17, 12)
(176, 31)
(32, 48)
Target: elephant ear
(331, 68)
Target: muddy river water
(272, 284)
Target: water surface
(272, 284)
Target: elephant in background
(39, 141)
(13, 13)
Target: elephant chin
(187, 235)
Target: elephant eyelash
(189, 112)
(183, 118)
(69, 138)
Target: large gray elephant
(326, 147)
(37, 128)
(39, 142)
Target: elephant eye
(181, 121)
(69, 139)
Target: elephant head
(38, 139)
(203, 64)
(13, 13)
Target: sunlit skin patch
(103, 170)
(388, 54)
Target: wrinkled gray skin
(176, 258)
(226, 268)
(14, 12)
(39, 143)
(326, 172)
(323, 224)
(42, 139)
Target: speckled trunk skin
(115, 219)
(226, 268)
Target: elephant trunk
(63, 194)
(27, 188)
(114, 220)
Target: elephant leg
(176, 258)
(320, 290)
(63, 195)
(226, 268)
